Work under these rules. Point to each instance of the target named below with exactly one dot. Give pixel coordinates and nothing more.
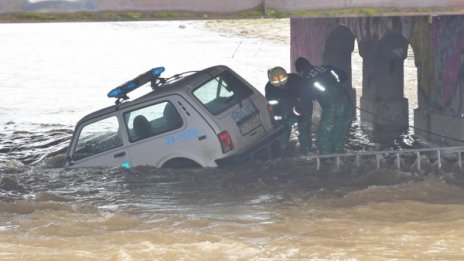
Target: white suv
(208, 118)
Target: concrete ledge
(22, 10)
(439, 127)
(293, 5)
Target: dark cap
(303, 65)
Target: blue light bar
(157, 71)
(122, 90)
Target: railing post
(439, 159)
(378, 160)
(459, 160)
(418, 160)
(398, 159)
(318, 163)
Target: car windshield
(222, 92)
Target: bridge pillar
(383, 106)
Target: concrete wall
(177, 5)
(11, 6)
(18, 6)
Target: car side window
(98, 137)
(152, 120)
(221, 92)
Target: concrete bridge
(16, 9)
(325, 32)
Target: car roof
(186, 83)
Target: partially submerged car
(206, 118)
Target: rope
(409, 126)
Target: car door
(169, 128)
(100, 142)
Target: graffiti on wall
(439, 53)
(448, 56)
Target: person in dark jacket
(283, 92)
(324, 84)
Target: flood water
(53, 74)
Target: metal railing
(396, 153)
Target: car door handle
(202, 137)
(120, 154)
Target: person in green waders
(324, 84)
(283, 92)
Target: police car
(206, 118)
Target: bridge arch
(338, 49)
